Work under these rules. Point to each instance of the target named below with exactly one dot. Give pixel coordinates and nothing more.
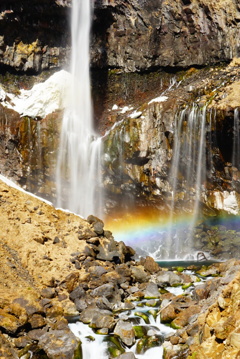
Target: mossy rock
(140, 331)
(186, 286)
(78, 352)
(144, 316)
(115, 347)
(153, 312)
(149, 342)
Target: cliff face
(148, 34)
(34, 36)
(133, 35)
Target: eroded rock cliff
(132, 35)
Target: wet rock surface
(138, 123)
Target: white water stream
(79, 161)
(96, 346)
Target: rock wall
(34, 36)
(140, 147)
(137, 118)
(182, 33)
(132, 35)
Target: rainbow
(149, 232)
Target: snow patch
(126, 109)
(158, 99)
(227, 201)
(2, 94)
(135, 114)
(14, 185)
(44, 98)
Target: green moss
(186, 285)
(193, 356)
(141, 346)
(143, 316)
(139, 331)
(115, 347)
(153, 312)
(174, 326)
(78, 351)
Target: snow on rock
(135, 114)
(227, 201)
(158, 99)
(44, 98)
(2, 94)
(126, 109)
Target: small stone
(77, 264)
(125, 331)
(77, 293)
(128, 355)
(37, 321)
(56, 240)
(48, 293)
(152, 291)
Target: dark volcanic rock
(34, 35)
(139, 35)
(134, 35)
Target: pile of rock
(57, 268)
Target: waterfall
(78, 174)
(188, 172)
(236, 139)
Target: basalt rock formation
(34, 36)
(150, 34)
(132, 35)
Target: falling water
(236, 139)
(187, 175)
(78, 165)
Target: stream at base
(99, 346)
(151, 335)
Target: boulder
(150, 265)
(60, 344)
(151, 291)
(166, 278)
(102, 321)
(125, 331)
(6, 349)
(139, 274)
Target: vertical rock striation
(134, 35)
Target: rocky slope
(57, 267)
